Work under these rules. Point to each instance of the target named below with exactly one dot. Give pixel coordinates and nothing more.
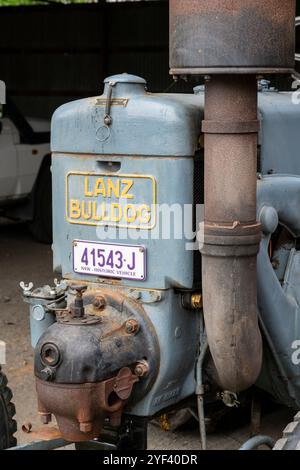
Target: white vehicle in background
(25, 177)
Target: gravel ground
(22, 259)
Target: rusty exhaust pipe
(231, 42)
(232, 235)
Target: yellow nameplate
(125, 201)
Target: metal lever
(107, 116)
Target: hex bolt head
(132, 326)
(99, 302)
(141, 369)
(85, 427)
(47, 374)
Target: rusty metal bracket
(80, 409)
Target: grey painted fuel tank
(156, 135)
(151, 142)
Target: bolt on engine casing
(232, 36)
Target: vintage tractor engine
(122, 336)
(116, 327)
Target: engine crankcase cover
(95, 348)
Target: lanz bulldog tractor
(142, 322)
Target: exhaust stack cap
(213, 37)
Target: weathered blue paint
(150, 124)
(162, 128)
(168, 262)
(280, 136)
(157, 134)
(154, 135)
(279, 304)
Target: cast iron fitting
(192, 301)
(78, 308)
(50, 355)
(238, 240)
(88, 369)
(82, 409)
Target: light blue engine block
(122, 164)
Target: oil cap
(124, 85)
(125, 78)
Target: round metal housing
(230, 36)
